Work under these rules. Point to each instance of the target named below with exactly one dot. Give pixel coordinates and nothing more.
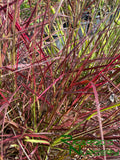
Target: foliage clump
(59, 75)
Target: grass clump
(59, 79)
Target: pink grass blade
(99, 117)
